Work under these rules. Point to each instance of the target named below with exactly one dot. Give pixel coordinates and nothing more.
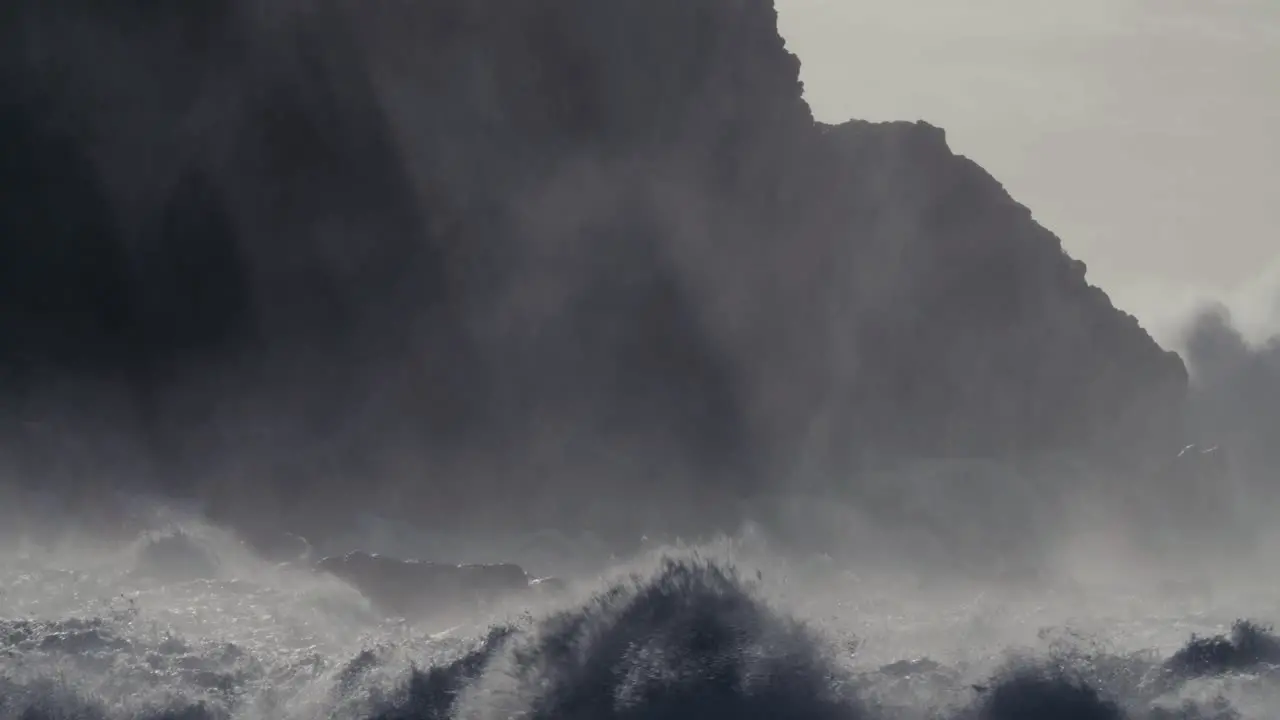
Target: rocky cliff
(990, 331)
(542, 250)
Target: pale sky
(1143, 132)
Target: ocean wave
(687, 636)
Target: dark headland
(488, 262)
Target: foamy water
(85, 636)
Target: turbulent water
(722, 632)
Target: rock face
(559, 250)
(415, 587)
(974, 333)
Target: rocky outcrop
(174, 556)
(277, 547)
(974, 333)
(559, 250)
(415, 587)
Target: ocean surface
(721, 631)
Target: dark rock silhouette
(277, 547)
(416, 587)
(559, 250)
(175, 556)
(988, 332)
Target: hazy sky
(1145, 133)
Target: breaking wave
(708, 635)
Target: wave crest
(691, 641)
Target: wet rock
(415, 587)
(175, 556)
(278, 547)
